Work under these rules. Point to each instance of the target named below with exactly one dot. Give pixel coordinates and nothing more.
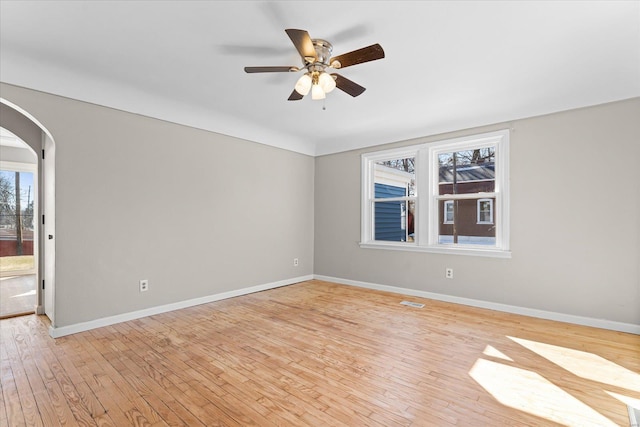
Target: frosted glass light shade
(317, 92)
(303, 85)
(326, 81)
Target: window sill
(440, 249)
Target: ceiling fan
(316, 56)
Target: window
(18, 189)
(447, 196)
(448, 212)
(485, 211)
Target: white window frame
(426, 215)
(368, 194)
(444, 211)
(478, 211)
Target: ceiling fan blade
(284, 69)
(346, 85)
(295, 96)
(366, 54)
(302, 42)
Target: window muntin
(458, 200)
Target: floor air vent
(412, 304)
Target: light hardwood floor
(319, 354)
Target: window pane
(448, 212)
(395, 178)
(16, 220)
(393, 222)
(467, 171)
(485, 211)
(464, 227)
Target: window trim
(426, 198)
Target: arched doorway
(37, 137)
(18, 226)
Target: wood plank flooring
(319, 354)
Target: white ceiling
(448, 65)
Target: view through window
(465, 178)
(444, 196)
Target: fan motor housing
(323, 50)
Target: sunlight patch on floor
(585, 365)
(531, 393)
(629, 401)
(494, 352)
(26, 294)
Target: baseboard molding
(57, 332)
(542, 314)
(634, 416)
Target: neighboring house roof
(392, 176)
(477, 172)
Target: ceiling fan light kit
(303, 86)
(317, 93)
(326, 82)
(319, 82)
(316, 58)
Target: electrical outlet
(295, 262)
(448, 273)
(144, 285)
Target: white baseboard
(57, 332)
(532, 312)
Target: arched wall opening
(18, 226)
(38, 138)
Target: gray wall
(575, 221)
(196, 213)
